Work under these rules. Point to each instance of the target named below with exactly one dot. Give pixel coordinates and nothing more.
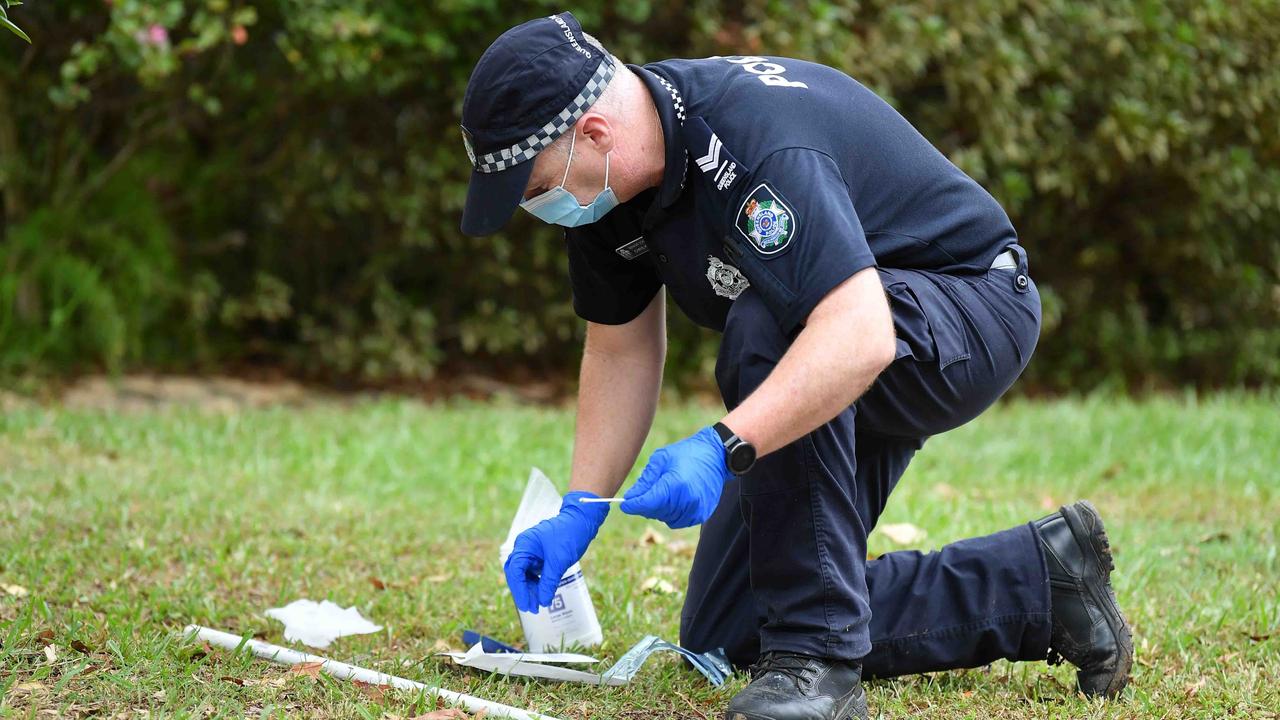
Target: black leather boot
(790, 686)
(1088, 629)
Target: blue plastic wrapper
(488, 644)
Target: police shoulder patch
(766, 221)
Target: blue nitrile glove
(544, 552)
(681, 485)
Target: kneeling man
(870, 295)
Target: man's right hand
(545, 551)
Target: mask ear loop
(606, 170)
(572, 139)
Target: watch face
(742, 458)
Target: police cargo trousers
(782, 563)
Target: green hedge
(191, 184)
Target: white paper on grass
(531, 665)
(318, 624)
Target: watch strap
(726, 435)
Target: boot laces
(794, 665)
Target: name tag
(633, 249)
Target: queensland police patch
(766, 221)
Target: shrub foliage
(201, 183)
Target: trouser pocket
(926, 319)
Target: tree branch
(15, 204)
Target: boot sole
(855, 710)
(858, 708)
(1087, 529)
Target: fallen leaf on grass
(14, 590)
(1261, 637)
(1219, 536)
(307, 668)
(232, 680)
(51, 654)
(45, 636)
(1193, 688)
(278, 681)
(680, 547)
(30, 688)
(376, 583)
(82, 648)
(373, 691)
(652, 537)
(657, 585)
(442, 577)
(193, 653)
(441, 646)
(903, 533)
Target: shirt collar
(670, 104)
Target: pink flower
(156, 36)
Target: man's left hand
(682, 482)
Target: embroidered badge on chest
(727, 280)
(766, 221)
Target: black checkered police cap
(529, 88)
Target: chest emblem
(766, 221)
(727, 280)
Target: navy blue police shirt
(784, 176)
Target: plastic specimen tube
(343, 671)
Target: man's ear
(597, 131)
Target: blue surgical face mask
(559, 207)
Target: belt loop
(1021, 278)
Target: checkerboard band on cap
(528, 148)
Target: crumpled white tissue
(318, 624)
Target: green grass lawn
(122, 527)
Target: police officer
(870, 295)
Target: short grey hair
(593, 42)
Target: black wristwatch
(739, 454)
